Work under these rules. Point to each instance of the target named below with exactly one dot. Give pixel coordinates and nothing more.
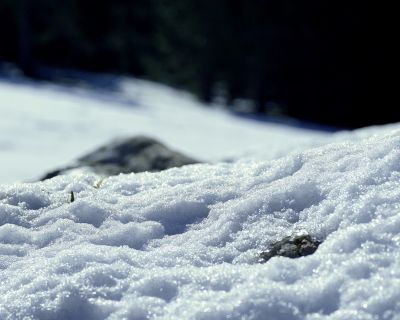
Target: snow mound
(184, 243)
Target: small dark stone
(291, 247)
(137, 154)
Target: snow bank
(45, 126)
(184, 243)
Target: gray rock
(291, 247)
(137, 154)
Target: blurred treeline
(307, 59)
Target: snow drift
(184, 243)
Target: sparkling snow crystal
(184, 243)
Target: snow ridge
(184, 243)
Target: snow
(184, 243)
(45, 126)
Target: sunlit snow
(45, 126)
(184, 243)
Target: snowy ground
(45, 126)
(184, 243)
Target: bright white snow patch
(44, 126)
(183, 243)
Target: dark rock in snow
(137, 154)
(291, 247)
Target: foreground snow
(184, 243)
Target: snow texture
(184, 243)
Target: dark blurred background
(313, 60)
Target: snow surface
(45, 126)
(184, 243)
